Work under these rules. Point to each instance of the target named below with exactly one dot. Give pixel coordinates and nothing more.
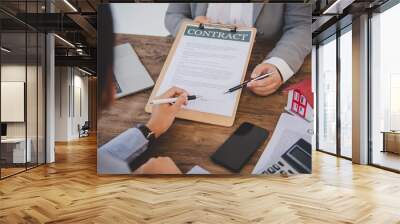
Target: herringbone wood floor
(69, 191)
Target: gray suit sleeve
(295, 42)
(114, 156)
(176, 14)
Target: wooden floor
(69, 191)
(387, 159)
(11, 170)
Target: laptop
(130, 76)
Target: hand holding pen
(248, 82)
(172, 100)
(164, 114)
(268, 85)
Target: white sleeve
(282, 66)
(114, 156)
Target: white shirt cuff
(128, 145)
(282, 66)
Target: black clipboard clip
(231, 28)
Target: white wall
(61, 103)
(70, 81)
(33, 126)
(79, 118)
(12, 73)
(139, 18)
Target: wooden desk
(190, 143)
(391, 141)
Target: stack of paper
(289, 130)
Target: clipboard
(199, 116)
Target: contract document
(207, 62)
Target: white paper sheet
(197, 170)
(289, 130)
(208, 67)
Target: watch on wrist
(147, 133)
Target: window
(385, 89)
(346, 92)
(394, 116)
(22, 78)
(326, 95)
(334, 95)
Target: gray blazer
(114, 156)
(289, 25)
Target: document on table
(207, 62)
(288, 131)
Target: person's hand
(163, 115)
(159, 165)
(267, 86)
(202, 19)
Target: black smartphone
(239, 147)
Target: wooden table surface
(191, 143)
